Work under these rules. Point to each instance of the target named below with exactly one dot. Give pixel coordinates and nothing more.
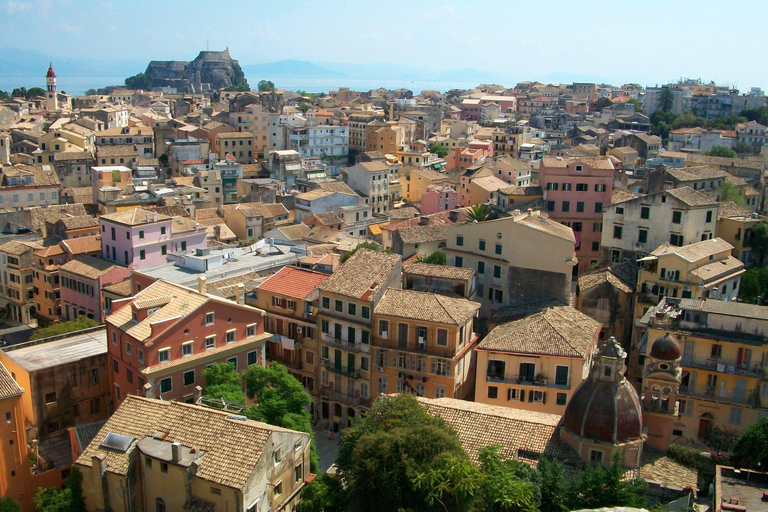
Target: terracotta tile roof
(337, 186)
(364, 271)
(563, 162)
(8, 386)
(619, 195)
(134, 217)
(375, 166)
(79, 222)
(758, 165)
(427, 307)
(51, 250)
(88, 266)
(696, 251)
(206, 213)
(422, 234)
(692, 197)
(183, 225)
(517, 431)
(296, 232)
(698, 173)
(522, 191)
(122, 288)
(554, 331)
(490, 183)
(231, 208)
(314, 194)
(718, 269)
(656, 466)
(440, 271)
(541, 222)
(171, 210)
(293, 282)
(19, 248)
(329, 218)
(53, 213)
(83, 244)
(622, 276)
(233, 447)
(730, 210)
(82, 195)
(406, 212)
(42, 175)
(67, 156)
(117, 150)
(273, 210)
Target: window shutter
(433, 366)
(509, 394)
(530, 395)
(663, 273)
(543, 397)
(677, 275)
(522, 395)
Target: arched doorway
(706, 422)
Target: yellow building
(700, 270)
(347, 301)
(537, 361)
(16, 261)
(721, 347)
(423, 344)
(419, 180)
(237, 144)
(734, 225)
(157, 455)
(14, 463)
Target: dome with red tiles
(666, 348)
(51, 73)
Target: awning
(648, 258)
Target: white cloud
(14, 7)
(72, 29)
(444, 12)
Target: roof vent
(236, 417)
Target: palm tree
(480, 213)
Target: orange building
(15, 479)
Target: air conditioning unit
(686, 288)
(298, 329)
(380, 369)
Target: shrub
(79, 324)
(685, 455)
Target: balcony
(329, 393)
(720, 365)
(354, 373)
(724, 396)
(515, 380)
(286, 361)
(332, 341)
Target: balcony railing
(720, 365)
(517, 381)
(354, 373)
(339, 396)
(725, 396)
(357, 347)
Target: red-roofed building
(290, 298)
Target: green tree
(139, 81)
(281, 400)
(730, 192)
(436, 258)
(35, 91)
(760, 241)
(304, 107)
(507, 485)
(382, 453)
(50, 499)
(454, 485)
(364, 245)
(266, 86)
(600, 104)
(722, 151)
(19, 92)
(82, 322)
(742, 149)
(596, 486)
(480, 213)
(666, 99)
(238, 88)
(754, 285)
(8, 504)
(439, 150)
(751, 450)
(638, 106)
(90, 92)
(323, 494)
(554, 486)
(222, 381)
(74, 484)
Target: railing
(354, 373)
(288, 363)
(339, 396)
(723, 396)
(517, 381)
(333, 341)
(723, 366)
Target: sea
(76, 86)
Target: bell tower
(52, 102)
(662, 375)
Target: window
(551, 186)
(497, 271)
(598, 207)
(209, 318)
(596, 456)
(481, 245)
(162, 230)
(716, 352)
(493, 392)
(617, 232)
(166, 385)
(233, 361)
(298, 472)
(141, 235)
(326, 303)
(645, 212)
(619, 210)
(561, 375)
(339, 306)
(580, 206)
(527, 372)
(735, 416)
(50, 398)
(497, 249)
(600, 187)
(164, 355)
(676, 239)
(566, 187)
(381, 385)
(163, 250)
(351, 309)
(566, 206)
(163, 467)
(460, 241)
(278, 489)
(189, 377)
(581, 187)
(458, 261)
(481, 267)
(186, 348)
(442, 337)
(210, 341)
(231, 336)
(550, 206)
(561, 398)
(677, 217)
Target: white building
(371, 180)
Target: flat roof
(39, 354)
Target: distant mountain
(19, 62)
(289, 69)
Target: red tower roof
(51, 73)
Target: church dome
(666, 348)
(605, 407)
(51, 73)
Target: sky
(648, 42)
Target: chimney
(530, 211)
(147, 391)
(198, 393)
(424, 220)
(241, 294)
(201, 286)
(453, 216)
(175, 453)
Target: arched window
(159, 505)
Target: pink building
(576, 190)
(82, 280)
(438, 198)
(486, 146)
(141, 238)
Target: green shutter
(530, 395)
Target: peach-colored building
(439, 198)
(575, 191)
